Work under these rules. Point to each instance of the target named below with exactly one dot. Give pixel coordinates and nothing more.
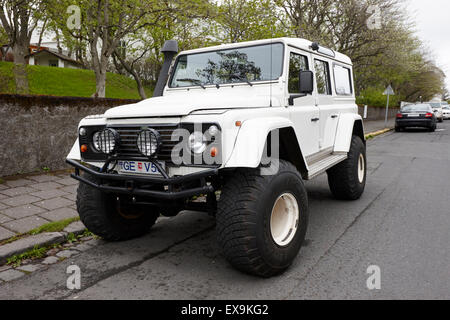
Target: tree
(19, 19)
(139, 55)
(245, 20)
(104, 24)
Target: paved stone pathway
(27, 203)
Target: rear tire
(103, 215)
(262, 220)
(347, 180)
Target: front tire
(262, 219)
(104, 216)
(347, 180)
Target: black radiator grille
(128, 138)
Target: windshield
(416, 108)
(257, 63)
(436, 105)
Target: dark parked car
(416, 115)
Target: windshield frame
(283, 58)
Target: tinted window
(257, 63)
(297, 63)
(322, 77)
(342, 80)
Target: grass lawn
(68, 82)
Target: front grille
(128, 138)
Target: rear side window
(322, 77)
(297, 62)
(342, 81)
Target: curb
(42, 239)
(374, 134)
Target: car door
(304, 113)
(329, 113)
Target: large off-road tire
(104, 216)
(347, 180)
(262, 219)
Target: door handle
(315, 119)
(334, 116)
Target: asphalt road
(401, 224)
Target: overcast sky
(433, 27)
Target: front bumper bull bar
(132, 182)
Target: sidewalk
(34, 200)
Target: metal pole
(387, 109)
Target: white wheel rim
(361, 168)
(284, 219)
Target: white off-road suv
(239, 125)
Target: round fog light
(83, 132)
(148, 142)
(105, 141)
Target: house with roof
(51, 58)
(45, 54)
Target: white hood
(183, 104)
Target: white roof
(302, 44)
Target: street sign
(389, 91)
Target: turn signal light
(214, 152)
(238, 123)
(84, 148)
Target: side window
(322, 77)
(342, 80)
(297, 62)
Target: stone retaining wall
(39, 131)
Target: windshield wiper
(239, 77)
(194, 81)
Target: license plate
(413, 115)
(138, 167)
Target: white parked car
(446, 112)
(244, 124)
(437, 109)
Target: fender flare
(251, 140)
(349, 124)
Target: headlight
(105, 140)
(148, 142)
(197, 142)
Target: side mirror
(306, 82)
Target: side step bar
(324, 164)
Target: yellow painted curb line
(372, 135)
